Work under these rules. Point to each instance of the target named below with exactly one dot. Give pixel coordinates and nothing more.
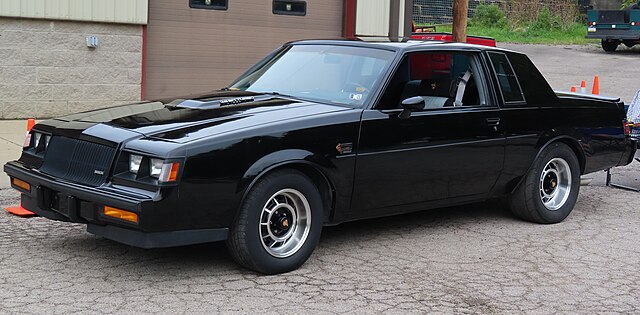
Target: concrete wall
(47, 70)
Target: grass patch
(573, 35)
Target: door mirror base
(411, 104)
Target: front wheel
(609, 46)
(279, 223)
(550, 189)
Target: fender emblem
(344, 148)
(98, 172)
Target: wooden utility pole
(460, 12)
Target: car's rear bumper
(61, 200)
(611, 34)
(629, 152)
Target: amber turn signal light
(173, 175)
(169, 172)
(21, 184)
(120, 214)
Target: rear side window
(534, 86)
(511, 91)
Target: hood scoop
(195, 104)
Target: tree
(460, 12)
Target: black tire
(245, 242)
(609, 46)
(629, 43)
(526, 202)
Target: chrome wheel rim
(285, 222)
(555, 184)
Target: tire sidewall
(609, 46)
(257, 199)
(555, 150)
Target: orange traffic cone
(583, 87)
(19, 210)
(573, 89)
(596, 85)
(30, 123)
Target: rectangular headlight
(36, 139)
(134, 163)
(155, 167)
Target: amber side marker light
(120, 214)
(169, 172)
(21, 184)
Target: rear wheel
(609, 45)
(550, 189)
(279, 223)
(629, 43)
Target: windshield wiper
(274, 93)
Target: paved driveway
(471, 259)
(458, 260)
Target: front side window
(441, 79)
(335, 74)
(511, 91)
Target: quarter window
(209, 4)
(511, 91)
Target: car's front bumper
(61, 200)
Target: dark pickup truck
(614, 27)
(319, 133)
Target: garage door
(202, 45)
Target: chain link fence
(441, 11)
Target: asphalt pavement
(471, 259)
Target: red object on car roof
(446, 37)
(429, 33)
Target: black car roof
(409, 45)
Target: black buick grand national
(319, 133)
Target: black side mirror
(411, 104)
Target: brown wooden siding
(197, 50)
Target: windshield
(336, 74)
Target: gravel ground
(471, 259)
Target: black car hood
(171, 121)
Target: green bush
(546, 21)
(629, 3)
(489, 16)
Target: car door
(443, 151)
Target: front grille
(78, 161)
